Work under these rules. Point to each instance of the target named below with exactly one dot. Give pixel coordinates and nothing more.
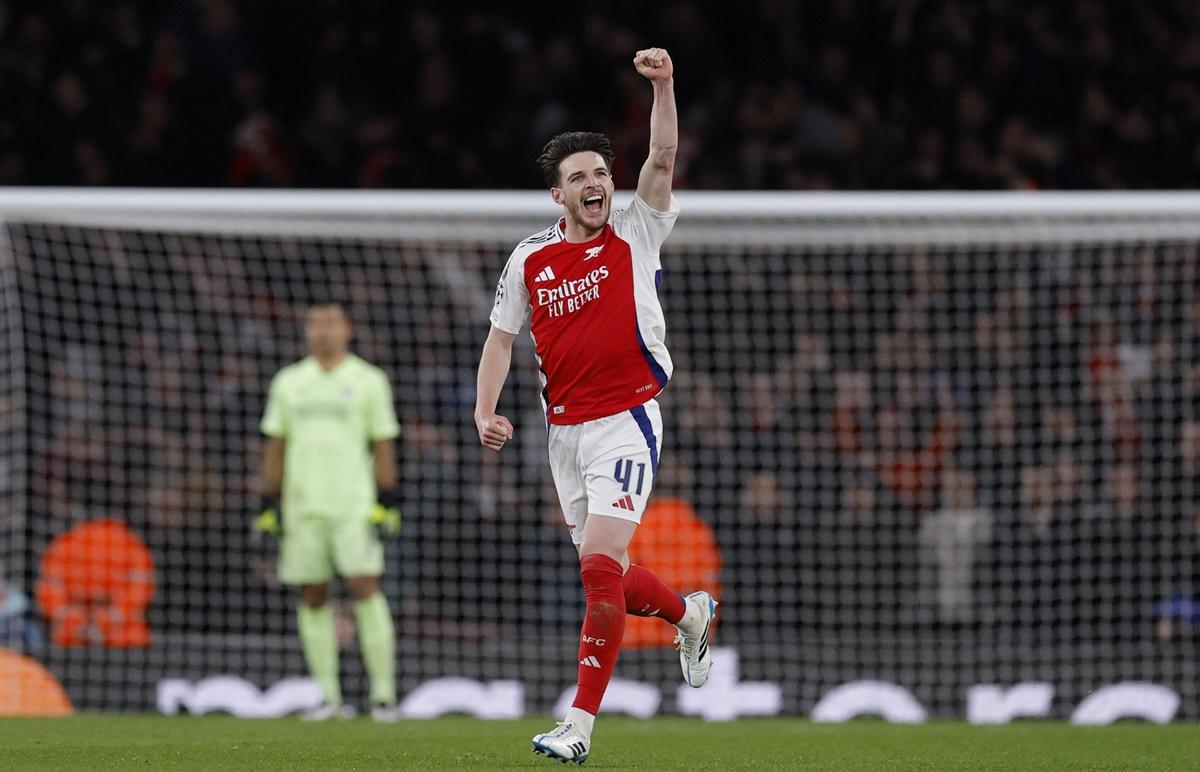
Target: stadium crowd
(926, 437)
(848, 94)
(941, 438)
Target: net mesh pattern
(910, 451)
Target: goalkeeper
(330, 425)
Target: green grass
(212, 743)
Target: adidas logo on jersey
(590, 661)
(545, 275)
(593, 252)
(625, 503)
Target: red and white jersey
(593, 313)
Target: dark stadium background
(847, 94)
(773, 95)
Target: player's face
(585, 189)
(327, 331)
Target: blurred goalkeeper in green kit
(329, 494)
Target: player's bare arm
(654, 181)
(272, 467)
(494, 430)
(384, 453)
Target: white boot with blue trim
(692, 641)
(570, 740)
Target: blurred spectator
(830, 406)
(1038, 498)
(996, 448)
(1124, 489)
(1179, 543)
(906, 460)
(18, 630)
(1176, 617)
(950, 541)
(861, 95)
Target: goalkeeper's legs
(319, 641)
(377, 639)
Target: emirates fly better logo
(569, 296)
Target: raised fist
(654, 63)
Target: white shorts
(606, 466)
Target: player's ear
(557, 195)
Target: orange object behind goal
(681, 549)
(95, 583)
(30, 689)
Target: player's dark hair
(570, 143)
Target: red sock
(603, 626)
(647, 596)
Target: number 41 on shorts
(624, 474)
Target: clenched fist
(494, 430)
(654, 63)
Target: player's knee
(607, 536)
(603, 611)
(314, 595)
(608, 548)
(362, 587)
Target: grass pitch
(215, 743)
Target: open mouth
(594, 204)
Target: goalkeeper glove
(268, 522)
(385, 515)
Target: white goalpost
(936, 453)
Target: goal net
(936, 454)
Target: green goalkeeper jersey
(328, 420)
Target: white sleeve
(643, 226)
(511, 308)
